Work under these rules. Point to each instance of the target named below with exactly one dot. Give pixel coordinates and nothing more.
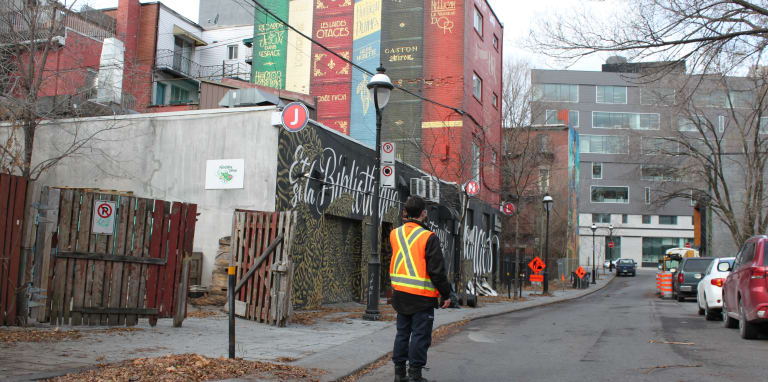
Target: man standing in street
(418, 275)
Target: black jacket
(407, 303)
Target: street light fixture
(548, 206)
(380, 87)
(593, 228)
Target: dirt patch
(209, 300)
(204, 314)
(190, 367)
(494, 299)
(15, 335)
(339, 314)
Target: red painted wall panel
(331, 77)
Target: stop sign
(610, 244)
(687, 245)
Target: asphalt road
(619, 333)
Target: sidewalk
(341, 347)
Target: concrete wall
(164, 155)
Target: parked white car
(710, 288)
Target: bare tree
(44, 76)
(710, 35)
(718, 153)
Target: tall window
(495, 100)
(646, 219)
(611, 94)
(477, 87)
(657, 96)
(604, 194)
(495, 42)
(478, 22)
(647, 195)
(543, 180)
(721, 123)
(667, 219)
(232, 52)
(624, 218)
(597, 170)
(556, 92)
(635, 121)
(691, 123)
(475, 162)
(573, 118)
(601, 218)
(603, 144)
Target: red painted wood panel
(155, 251)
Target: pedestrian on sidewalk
(418, 275)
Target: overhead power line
(358, 67)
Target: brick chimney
(128, 20)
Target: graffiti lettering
(478, 246)
(349, 179)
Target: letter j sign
(295, 117)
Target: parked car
(607, 263)
(745, 293)
(709, 294)
(688, 275)
(626, 267)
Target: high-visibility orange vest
(408, 268)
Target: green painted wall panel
(270, 44)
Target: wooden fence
(261, 245)
(118, 277)
(13, 191)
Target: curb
(481, 316)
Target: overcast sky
(516, 15)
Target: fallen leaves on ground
(189, 367)
(492, 299)
(438, 335)
(14, 335)
(210, 299)
(203, 314)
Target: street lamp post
(380, 87)
(593, 228)
(610, 240)
(548, 206)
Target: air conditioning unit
(433, 189)
(418, 187)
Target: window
(495, 43)
(691, 123)
(573, 118)
(742, 98)
(179, 95)
(624, 218)
(551, 117)
(647, 195)
(659, 146)
(475, 162)
(232, 52)
(601, 218)
(693, 200)
(655, 247)
(542, 143)
(493, 157)
(495, 100)
(478, 22)
(721, 123)
(747, 254)
(556, 92)
(611, 94)
(603, 144)
(763, 126)
(667, 219)
(646, 219)
(713, 98)
(635, 121)
(659, 173)
(657, 96)
(543, 180)
(597, 170)
(477, 87)
(160, 94)
(604, 194)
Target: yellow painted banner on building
(367, 18)
(299, 63)
(440, 124)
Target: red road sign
(687, 245)
(610, 244)
(295, 117)
(537, 278)
(536, 265)
(508, 208)
(387, 147)
(472, 188)
(580, 272)
(386, 170)
(104, 210)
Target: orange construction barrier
(664, 284)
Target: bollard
(231, 273)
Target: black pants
(414, 336)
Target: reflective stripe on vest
(405, 275)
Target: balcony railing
(177, 62)
(17, 26)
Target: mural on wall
(573, 193)
(365, 53)
(300, 49)
(270, 41)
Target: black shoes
(414, 375)
(400, 375)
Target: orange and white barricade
(664, 284)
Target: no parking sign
(103, 217)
